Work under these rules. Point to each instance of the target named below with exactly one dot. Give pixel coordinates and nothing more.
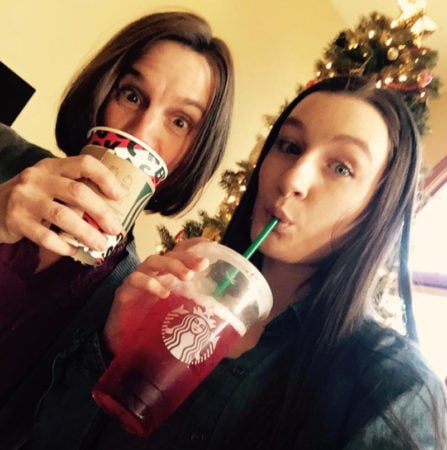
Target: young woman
(165, 79)
(339, 169)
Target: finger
(85, 166)
(178, 263)
(72, 222)
(46, 238)
(139, 281)
(27, 213)
(35, 189)
(84, 198)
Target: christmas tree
(391, 53)
(388, 51)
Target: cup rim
(264, 307)
(131, 137)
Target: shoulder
(383, 351)
(393, 388)
(17, 153)
(10, 139)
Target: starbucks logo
(189, 334)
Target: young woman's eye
(289, 147)
(342, 170)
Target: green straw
(231, 274)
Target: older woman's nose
(148, 128)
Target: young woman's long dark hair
(385, 221)
(82, 105)
(343, 280)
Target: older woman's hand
(146, 285)
(42, 196)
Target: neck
(288, 282)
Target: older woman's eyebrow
(186, 100)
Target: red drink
(177, 346)
(182, 339)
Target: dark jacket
(15, 155)
(370, 379)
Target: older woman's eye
(182, 124)
(128, 94)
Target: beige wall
(274, 44)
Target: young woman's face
(163, 99)
(319, 175)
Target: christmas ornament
(392, 54)
(424, 78)
(211, 232)
(414, 17)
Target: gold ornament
(240, 177)
(211, 232)
(392, 54)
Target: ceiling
(436, 10)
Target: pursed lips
(278, 212)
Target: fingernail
(201, 262)
(118, 192)
(165, 294)
(101, 243)
(198, 260)
(115, 226)
(188, 275)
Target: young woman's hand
(144, 286)
(42, 196)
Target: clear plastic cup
(182, 338)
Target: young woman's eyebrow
(359, 143)
(294, 122)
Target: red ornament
(179, 236)
(311, 83)
(424, 78)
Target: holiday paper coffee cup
(139, 170)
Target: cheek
(111, 115)
(174, 156)
(352, 211)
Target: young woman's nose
(298, 178)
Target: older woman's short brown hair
(81, 108)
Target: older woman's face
(319, 175)
(163, 99)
